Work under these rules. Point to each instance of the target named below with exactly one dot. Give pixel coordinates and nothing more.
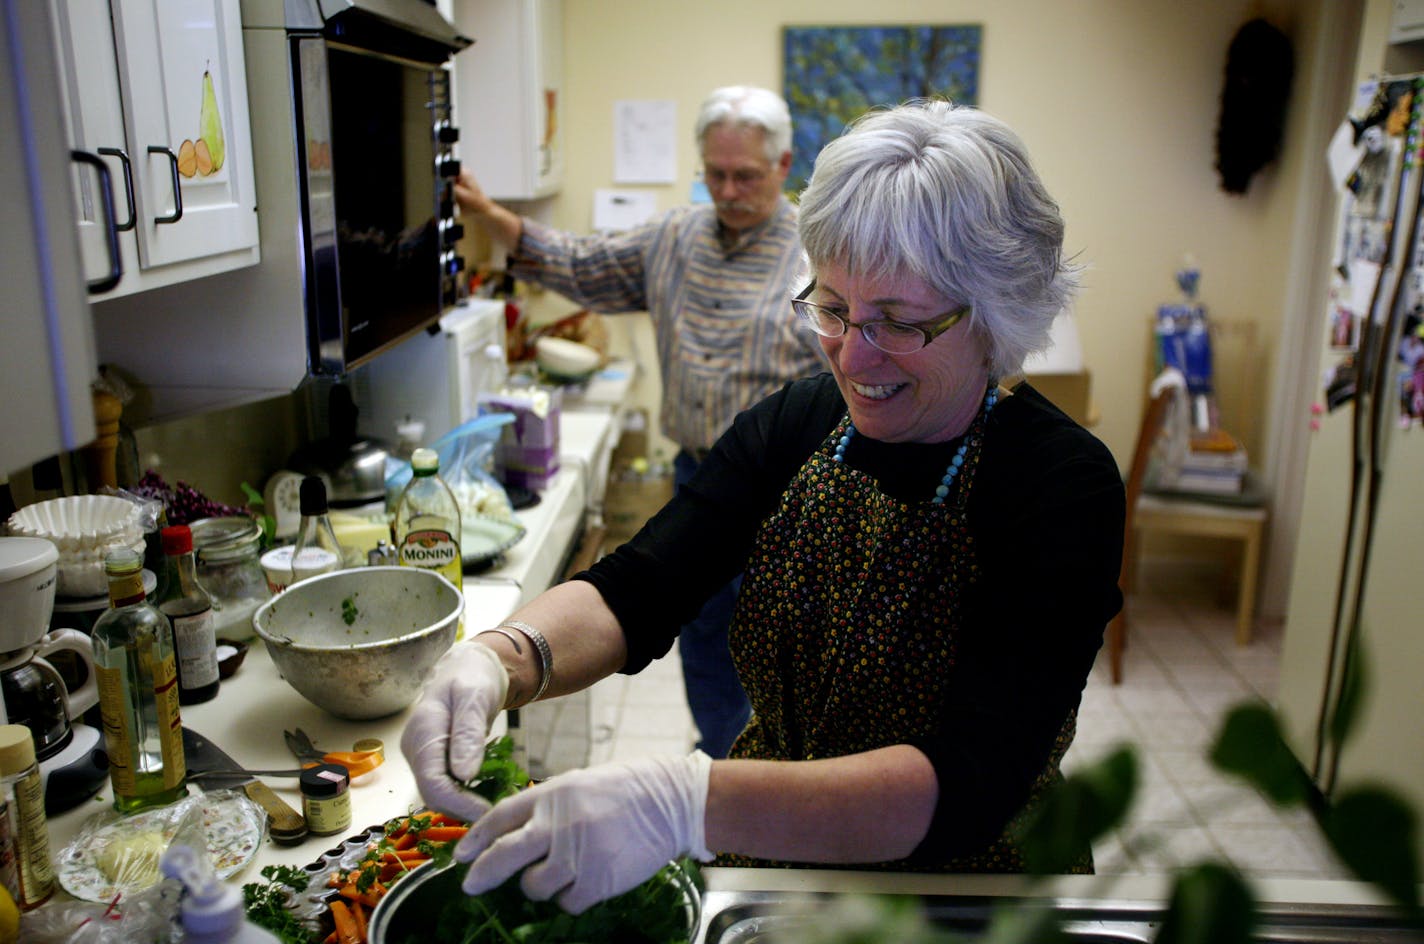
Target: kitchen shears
(357, 762)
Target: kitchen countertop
(255, 705)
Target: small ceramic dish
(230, 656)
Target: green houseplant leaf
(1373, 832)
(1211, 904)
(1085, 806)
(1251, 745)
(1352, 689)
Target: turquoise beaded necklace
(955, 463)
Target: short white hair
(749, 107)
(945, 194)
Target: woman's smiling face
(931, 395)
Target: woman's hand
(587, 835)
(444, 740)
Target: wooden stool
(1244, 523)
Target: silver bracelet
(513, 639)
(541, 645)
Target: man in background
(717, 281)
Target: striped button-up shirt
(726, 334)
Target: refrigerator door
(1388, 744)
(1353, 561)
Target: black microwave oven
(372, 123)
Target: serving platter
(483, 539)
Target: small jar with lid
(326, 799)
(25, 866)
(230, 569)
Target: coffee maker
(73, 765)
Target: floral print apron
(841, 644)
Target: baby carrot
(444, 833)
(347, 931)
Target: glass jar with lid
(230, 569)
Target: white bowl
(83, 528)
(567, 359)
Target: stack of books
(1215, 463)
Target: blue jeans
(719, 706)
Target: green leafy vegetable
(500, 775)
(349, 611)
(653, 913)
(266, 903)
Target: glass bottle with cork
(189, 609)
(25, 866)
(426, 528)
(137, 674)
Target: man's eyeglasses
(892, 337)
(741, 178)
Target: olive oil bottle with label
(137, 674)
(427, 522)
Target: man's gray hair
(750, 107)
(946, 194)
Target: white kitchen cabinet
(158, 90)
(47, 359)
(509, 95)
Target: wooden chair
(1241, 518)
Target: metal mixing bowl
(359, 643)
(410, 910)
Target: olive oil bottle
(427, 522)
(137, 671)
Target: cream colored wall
(1117, 101)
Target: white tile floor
(1182, 670)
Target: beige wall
(1117, 101)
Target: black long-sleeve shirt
(1047, 509)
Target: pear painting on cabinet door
(191, 47)
(204, 156)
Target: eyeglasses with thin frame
(716, 177)
(892, 337)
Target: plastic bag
(149, 509)
(466, 457)
(117, 854)
(1185, 343)
(148, 915)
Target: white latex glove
(588, 835)
(444, 740)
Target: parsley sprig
(266, 903)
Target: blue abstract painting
(834, 74)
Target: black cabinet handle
(177, 213)
(124, 162)
(111, 233)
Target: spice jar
(230, 569)
(326, 800)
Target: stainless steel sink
(740, 917)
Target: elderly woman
(930, 562)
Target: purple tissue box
(536, 415)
